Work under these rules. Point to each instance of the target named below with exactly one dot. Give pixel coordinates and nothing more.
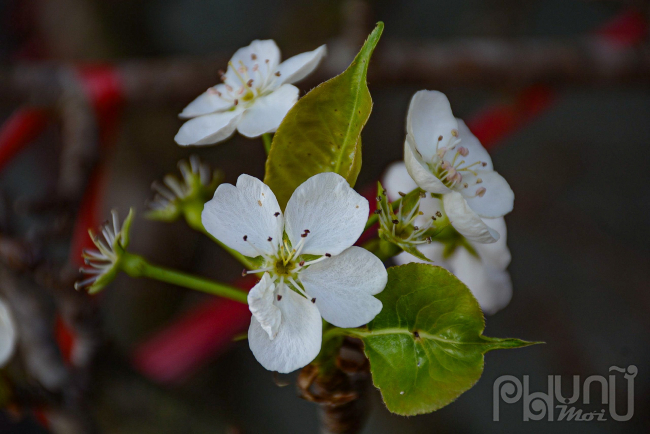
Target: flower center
(285, 265)
(247, 83)
(448, 165)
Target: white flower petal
(418, 169)
(466, 221)
(265, 54)
(476, 151)
(247, 209)
(7, 335)
(206, 103)
(429, 118)
(497, 200)
(267, 112)
(491, 287)
(298, 340)
(344, 285)
(260, 303)
(208, 129)
(495, 255)
(330, 209)
(298, 67)
(396, 179)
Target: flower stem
(193, 218)
(267, 138)
(335, 332)
(137, 266)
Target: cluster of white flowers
(443, 157)
(310, 267)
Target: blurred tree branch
(470, 62)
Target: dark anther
(301, 263)
(378, 198)
(270, 239)
(278, 74)
(328, 255)
(307, 231)
(245, 237)
(250, 83)
(439, 138)
(254, 56)
(236, 101)
(303, 235)
(395, 221)
(401, 194)
(438, 213)
(313, 300)
(415, 228)
(279, 297)
(416, 334)
(276, 214)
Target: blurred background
(557, 90)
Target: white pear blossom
(7, 334)
(311, 268)
(486, 275)
(254, 97)
(444, 157)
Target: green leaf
(426, 345)
(322, 132)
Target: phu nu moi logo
(540, 405)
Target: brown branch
(474, 62)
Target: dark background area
(579, 233)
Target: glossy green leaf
(322, 132)
(426, 346)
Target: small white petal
(419, 171)
(300, 66)
(208, 129)
(495, 255)
(491, 287)
(298, 340)
(267, 112)
(206, 103)
(7, 334)
(396, 179)
(344, 285)
(247, 209)
(330, 209)
(429, 118)
(466, 221)
(497, 199)
(476, 151)
(260, 303)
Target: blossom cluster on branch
(296, 230)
